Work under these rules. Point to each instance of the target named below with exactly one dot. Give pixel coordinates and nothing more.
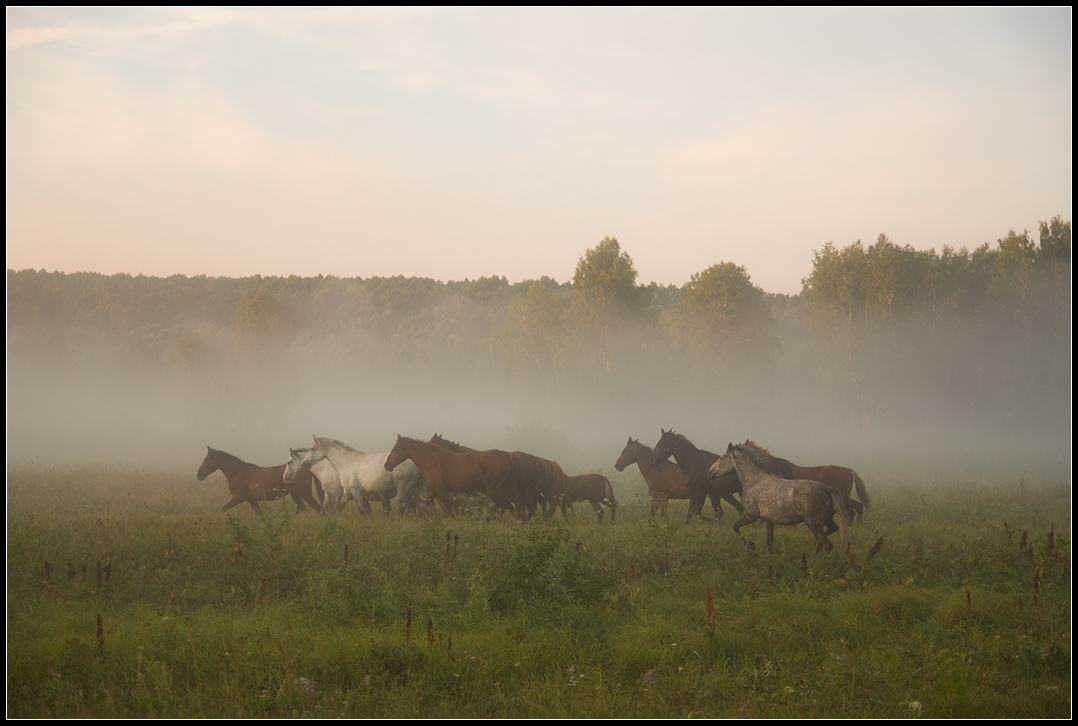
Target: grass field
(130, 594)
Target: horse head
(397, 454)
(628, 456)
(208, 465)
(723, 465)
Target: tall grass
(955, 602)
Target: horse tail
(843, 516)
(861, 493)
(610, 499)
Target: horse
(540, 483)
(252, 484)
(664, 479)
(694, 463)
(839, 477)
(593, 487)
(538, 480)
(776, 500)
(490, 472)
(364, 476)
(335, 497)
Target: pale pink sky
(462, 143)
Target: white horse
(332, 489)
(363, 476)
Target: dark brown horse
(839, 477)
(778, 500)
(595, 488)
(492, 472)
(253, 484)
(695, 464)
(664, 479)
(541, 482)
(537, 480)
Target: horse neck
(421, 453)
(748, 471)
(642, 454)
(337, 456)
(228, 464)
(684, 451)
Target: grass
(955, 602)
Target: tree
(259, 316)
(605, 279)
(723, 323)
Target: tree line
(880, 334)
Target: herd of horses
(417, 473)
(414, 472)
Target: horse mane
(227, 455)
(751, 445)
(759, 457)
(681, 437)
(326, 441)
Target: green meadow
(131, 595)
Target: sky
(462, 143)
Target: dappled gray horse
(783, 501)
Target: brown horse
(541, 482)
(537, 480)
(253, 484)
(490, 472)
(665, 480)
(595, 488)
(839, 477)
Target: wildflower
(650, 677)
(915, 706)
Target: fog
(105, 409)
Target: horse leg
(232, 502)
(770, 536)
(856, 507)
(300, 506)
(386, 506)
(745, 519)
(254, 506)
(364, 505)
(716, 506)
(820, 533)
(734, 503)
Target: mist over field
(147, 372)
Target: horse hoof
(750, 545)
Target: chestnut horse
(490, 472)
(665, 480)
(595, 488)
(253, 484)
(839, 477)
(783, 501)
(694, 464)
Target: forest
(887, 349)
